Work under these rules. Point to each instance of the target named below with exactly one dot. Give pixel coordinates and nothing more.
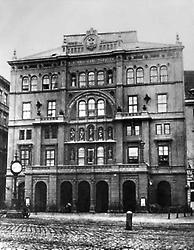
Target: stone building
(4, 112)
(99, 123)
(189, 114)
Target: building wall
(116, 171)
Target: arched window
(91, 107)
(139, 76)
(100, 156)
(109, 77)
(153, 74)
(81, 156)
(91, 133)
(130, 76)
(45, 82)
(34, 82)
(100, 107)
(82, 109)
(100, 78)
(100, 133)
(163, 74)
(54, 81)
(73, 80)
(25, 84)
(91, 79)
(82, 80)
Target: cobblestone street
(96, 232)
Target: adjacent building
(4, 112)
(99, 123)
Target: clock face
(16, 167)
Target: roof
(97, 43)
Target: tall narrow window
(163, 155)
(91, 79)
(163, 74)
(100, 156)
(153, 74)
(139, 76)
(34, 82)
(82, 80)
(81, 156)
(100, 107)
(158, 129)
(22, 134)
(130, 76)
(5, 98)
(28, 134)
(25, 84)
(25, 156)
(45, 82)
(91, 107)
(90, 156)
(50, 157)
(73, 80)
(100, 78)
(54, 131)
(54, 81)
(133, 155)
(51, 111)
(132, 104)
(47, 132)
(162, 103)
(26, 110)
(82, 109)
(109, 77)
(166, 128)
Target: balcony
(50, 119)
(130, 116)
(88, 169)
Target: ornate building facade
(99, 123)
(4, 112)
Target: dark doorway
(164, 194)
(21, 194)
(40, 196)
(129, 196)
(83, 204)
(66, 193)
(101, 197)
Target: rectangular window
(163, 155)
(81, 156)
(158, 129)
(166, 128)
(26, 110)
(192, 184)
(28, 134)
(133, 155)
(162, 103)
(54, 131)
(90, 156)
(100, 156)
(47, 132)
(51, 108)
(25, 156)
(22, 134)
(50, 157)
(129, 130)
(133, 130)
(132, 104)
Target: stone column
(74, 196)
(92, 196)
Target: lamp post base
(14, 214)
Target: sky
(32, 26)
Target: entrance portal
(40, 196)
(83, 204)
(101, 197)
(129, 196)
(164, 194)
(66, 193)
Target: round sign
(16, 167)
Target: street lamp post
(16, 168)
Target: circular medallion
(16, 167)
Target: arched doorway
(40, 196)
(164, 194)
(101, 197)
(21, 194)
(66, 193)
(129, 196)
(83, 204)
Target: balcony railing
(125, 115)
(50, 119)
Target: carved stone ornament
(91, 42)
